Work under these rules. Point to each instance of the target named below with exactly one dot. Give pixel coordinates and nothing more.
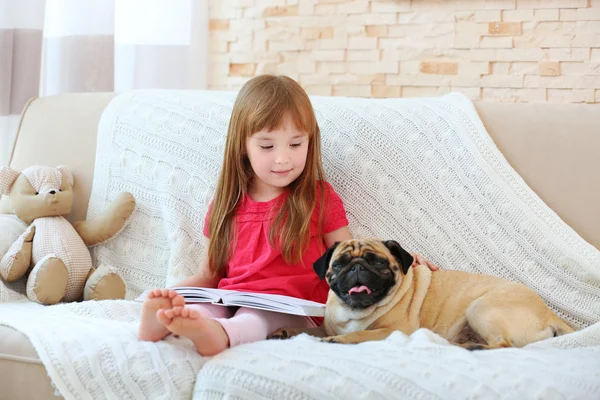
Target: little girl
(272, 217)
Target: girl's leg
(199, 324)
(212, 335)
(250, 325)
(152, 321)
(211, 310)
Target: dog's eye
(36, 193)
(336, 266)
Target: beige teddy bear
(61, 264)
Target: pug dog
(374, 292)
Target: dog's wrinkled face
(362, 272)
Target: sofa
(550, 152)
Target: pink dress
(257, 267)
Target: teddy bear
(52, 252)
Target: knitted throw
(421, 171)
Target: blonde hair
(261, 104)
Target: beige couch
(554, 147)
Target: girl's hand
(419, 260)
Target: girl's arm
(420, 260)
(202, 278)
(338, 235)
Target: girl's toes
(177, 311)
(178, 301)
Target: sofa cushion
(19, 360)
(59, 130)
(554, 147)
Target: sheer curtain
(49, 47)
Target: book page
(261, 301)
(193, 294)
(271, 298)
(274, 302)
(197, 294)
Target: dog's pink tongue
(359, 289)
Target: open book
(261, 301)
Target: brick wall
(498, 50)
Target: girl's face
(277, 157)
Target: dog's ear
(322, 264)
(402, 256)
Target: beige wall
(498, 50)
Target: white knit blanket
(424, 172)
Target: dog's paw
(329, 340)
(475, 347)
(279, 334)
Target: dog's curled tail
(560, 327)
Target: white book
(261, 301)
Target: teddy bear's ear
(7, 177)
(68, 175)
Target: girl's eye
(266, 147)
(296, 144)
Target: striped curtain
(49, 47)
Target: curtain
(49, 47)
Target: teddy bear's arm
(17, 259)
(107, 224)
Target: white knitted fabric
(423, 172)
(12, 292)
(91, 351)
(422, 366)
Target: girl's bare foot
(158, 300)
(208, 335)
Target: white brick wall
(498, 50)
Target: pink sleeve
(335, 215)
(206, 230)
